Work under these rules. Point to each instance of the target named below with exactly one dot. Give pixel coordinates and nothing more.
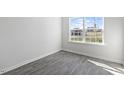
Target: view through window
(86, 29)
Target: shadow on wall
(123, 42)
(123, 47)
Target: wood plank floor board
(91, 69)
(61, 63)
(67, 62)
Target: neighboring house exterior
(91, 34)
(76, 32)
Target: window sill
(78, 42)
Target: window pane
(89, 22)
(99, 22)
(94, 29)
(76, 28)
(86, 29)
(99, 29)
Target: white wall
(24, 39)
(113, 48)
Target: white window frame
(84, 42)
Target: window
(86, 29)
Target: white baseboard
(26, 62)
(100, 57)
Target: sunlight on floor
(114, 70)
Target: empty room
(61, 45)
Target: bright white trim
(26, 62)
(95, 56)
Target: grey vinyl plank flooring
(61, 63)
